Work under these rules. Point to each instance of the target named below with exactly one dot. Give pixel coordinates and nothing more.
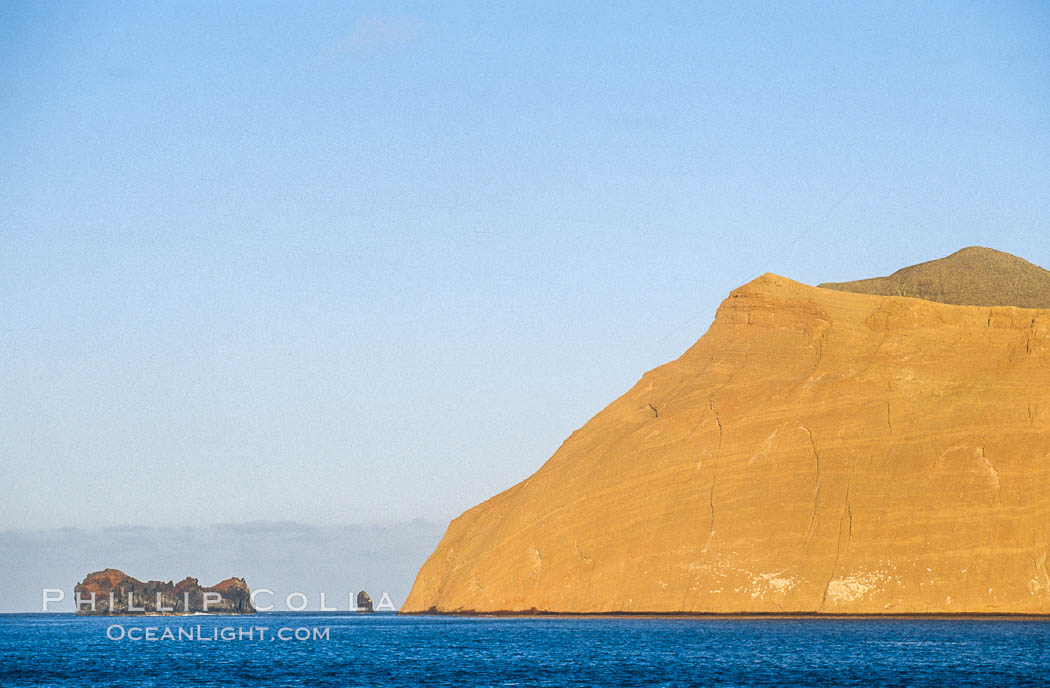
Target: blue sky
(362, 263)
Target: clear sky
(361, 263)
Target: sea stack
(818, 450)
(364, 603)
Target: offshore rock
(115, 592)
(816, 451)
(364, 603)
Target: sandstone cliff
(115, 592)
(814, 451)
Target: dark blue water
(386, 650)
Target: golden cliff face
(814, 451)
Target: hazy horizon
(281, 557)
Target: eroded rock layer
(814, 451)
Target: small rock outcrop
(113, 592)
(364, 603)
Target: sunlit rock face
(814, 451)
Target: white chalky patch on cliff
(776, 583)
(850, 588)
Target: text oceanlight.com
(217, 634)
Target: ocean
(389, 650)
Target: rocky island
(113, 592)
(875, 447)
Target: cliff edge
(815, 451)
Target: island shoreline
(743, 616)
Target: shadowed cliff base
(973, 276)
(815, 452)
